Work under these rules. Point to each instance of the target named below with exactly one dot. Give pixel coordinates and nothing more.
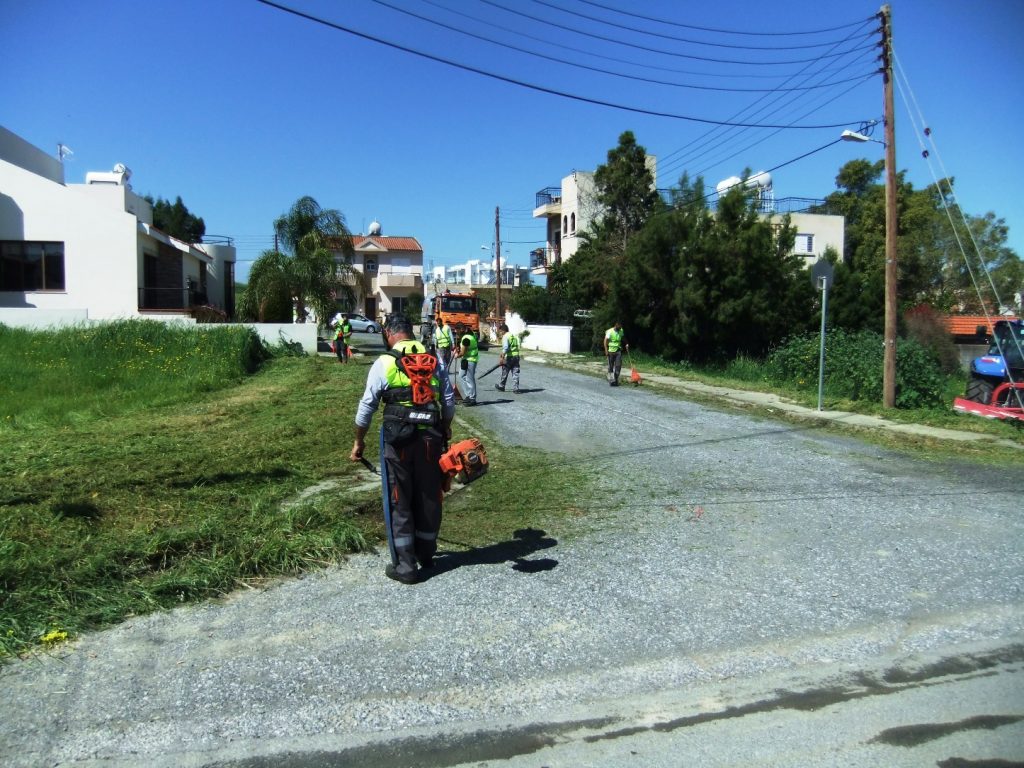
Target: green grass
(157, 497)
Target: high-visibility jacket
(510, 345)
(398, 397)
(614, 338)
(472, 349)
(443, 337)
(344, 331)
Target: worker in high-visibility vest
(419, 404)
(509, 359)
(342, 337)
(469, 354)
(614, 341)
(444, 340)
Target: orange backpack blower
(464, 461)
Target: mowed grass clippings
(157, 507)
(128, 509)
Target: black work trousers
(414, 481)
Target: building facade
(569, 209)
(477, 272)
(388, 269)
(90, 251)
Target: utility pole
(891, 274)
(497, 264)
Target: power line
(548, 22)
(713, 29)
(599, 70)
(787, 47)
(532, 86)
(697, 152)
(564, 46)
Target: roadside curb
(771, 401)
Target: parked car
(359, 323)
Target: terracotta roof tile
(388, 243)
(967, 325)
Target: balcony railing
(389, 279)
(542, 259)
(549, 196)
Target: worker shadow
(525, 542)
(499, 401)
(525, 391)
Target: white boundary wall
(548, 338)
(271, 333)
(541, 338)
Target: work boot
(499, 387)
(515, 391)
(406, 578)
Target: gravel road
(722, 550)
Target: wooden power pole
(891, 274)
(497, 265)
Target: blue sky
(241, 108)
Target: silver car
(359, 323)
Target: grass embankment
(143, 467)
(754, 375)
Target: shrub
(853, 367)
(926, 326)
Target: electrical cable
(706, 137)
(804, 73)
(713, 29)
(524, 84)
(683, 39)
(563, 46)
(747, 111)
(598, 70)
(942, 197)
(548, 23)
(763, 139)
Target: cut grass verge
(144, 508)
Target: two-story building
(90, 251)
(388, 270)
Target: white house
(389, 269)
(568, 210)
(90, 251)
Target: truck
(461, 311)
(995, 387)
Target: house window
(31, 266)
(371, 266)
(573, 224)
(804, 244)
(565, 223)
(399, 304)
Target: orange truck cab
(461, 312)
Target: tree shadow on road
(525, 542)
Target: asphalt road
(741, 592)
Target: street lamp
(858, 137)
(497, 281)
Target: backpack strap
(419, 368)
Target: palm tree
(310, 278)
(267, 297)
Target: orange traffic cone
(634, 374)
